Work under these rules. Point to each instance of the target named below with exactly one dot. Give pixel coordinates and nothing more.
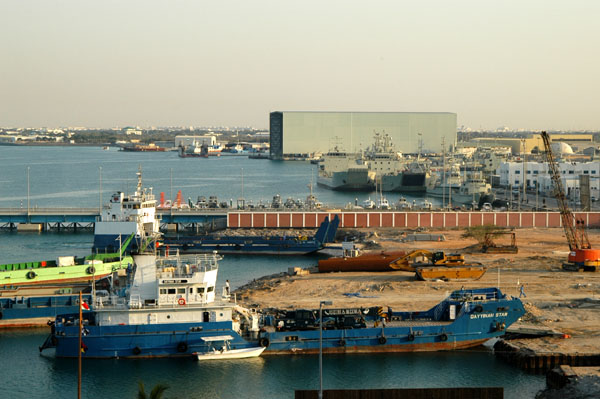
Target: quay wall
(355, 219)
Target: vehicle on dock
(438, 266)
(464, 319)
(254, 245)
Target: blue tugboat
(465, 319)
(168, 308)
(255, 245)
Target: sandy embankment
(565, 301)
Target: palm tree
(156, 393)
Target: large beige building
(310, 132)
(520, 145)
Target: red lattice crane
(582, 256)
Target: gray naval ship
(379, 166)
(344, 171)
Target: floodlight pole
(328, 303)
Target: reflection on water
(33, 376)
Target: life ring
(182, 347)
(411, 337)
(181, 301)
(342, 342)
(137, 350)
(264, 342)
(382, 340)
(31, 275)
(90, 270)
(444, 337)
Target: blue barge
(255, 245)
(21, 311)
(464, 319)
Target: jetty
(176, 219)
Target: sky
(521, 64)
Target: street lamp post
(326, 303)
(28, 194)
(100, 197)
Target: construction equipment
(437, 265)
(491, 247)
(581, 255)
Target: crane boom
(559, 193)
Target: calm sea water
(70, 177)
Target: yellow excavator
(437, 265)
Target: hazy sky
(522, 64)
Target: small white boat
(368, 203)
(225, 352)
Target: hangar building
(293, 132)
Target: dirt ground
(568, 302)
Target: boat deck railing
(477, 295)
(417, 323)
(185, 266)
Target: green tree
(156, 393)
(479, 232)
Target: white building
(511, 175)
(197, 141)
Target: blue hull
(109, 243)
(432, 330)
(23, 308)
(241, 245)
(464, 319)
(253, 245)
(150, 340)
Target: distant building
(536, 174)
(520, 145)
(129, 131)
(8, 139)
(294, 132)
(186, 141)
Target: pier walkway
(86, 217)
(196, 218)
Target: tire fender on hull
(182, 347)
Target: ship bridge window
(136, 206)
(210, 289)
(191, 290)
(181, 290)
(163, 290)
(171, 290)
(200, 290)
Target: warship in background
(379, 165)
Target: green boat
(65, 270)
